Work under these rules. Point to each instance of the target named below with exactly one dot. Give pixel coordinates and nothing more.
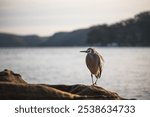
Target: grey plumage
(94, 62)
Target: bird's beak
(84, 51)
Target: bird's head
(89, 51)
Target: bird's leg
(92, 79)
(96, 81)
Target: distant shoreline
(133, 32)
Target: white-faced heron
(94, 62)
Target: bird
(94, 62)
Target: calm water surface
(126, 70)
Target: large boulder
(11, 77)
(13, 87)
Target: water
(126, 70)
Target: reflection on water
(126, 70)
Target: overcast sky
(45, 17)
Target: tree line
(131, 32)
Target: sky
(46, 17)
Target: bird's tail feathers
(98, 74)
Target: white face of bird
(89, 51)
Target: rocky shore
(13, 87)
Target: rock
(10, 76)
(13, 87)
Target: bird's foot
(94, 84)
